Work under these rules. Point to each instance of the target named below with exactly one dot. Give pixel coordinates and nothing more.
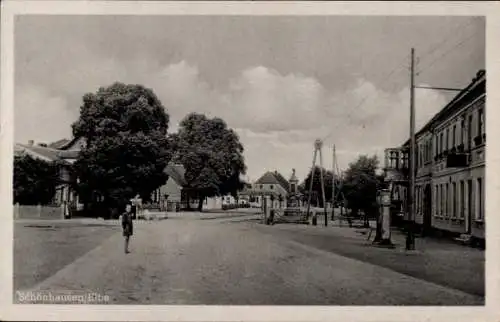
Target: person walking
(127, 226)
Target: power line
(398, 66)
(447, 38)
(446, 53)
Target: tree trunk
(200, 203)
(366, 221)
(188, 202)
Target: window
(454, 206)
(480, 122)
(470, 201)
(454, 136)
(436, 198)
(417, 155)
(436, 145)
(469, 132)
(441, 198)
(462, 200)
(261, 186)
(479, 199)
(271, 187)
(441, 143)
(417, 201)
(462, 132)
(446, 139)
(447, 201)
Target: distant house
(170, 196)
(272, 187)
(64, 158)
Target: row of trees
(128, 147)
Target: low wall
(37, 212)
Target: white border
(254, 313)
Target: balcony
(457, 160)
(396, 164)
(396, 159)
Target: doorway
(427, 203)
(468, 219)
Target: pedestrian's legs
(126, 243)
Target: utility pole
(333, 184)
(410, 238)
(311, 183)
(323, 186)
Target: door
(468, 219)
(427, 209)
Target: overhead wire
(398, 66)
(447, 38)
(423, 56)
(446, 53)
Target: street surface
(228, 260)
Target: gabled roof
(273, 178)
(267, 178)
(281, 179)
(44, 153)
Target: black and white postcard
(264, 161)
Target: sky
(281, 82)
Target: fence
(37, 212)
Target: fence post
(39, 210)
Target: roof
(283, 182)
(268, 178)
(45, 153)
(59, 143)
(273, 178)
(68, 144)
(453, 104)
(176, 172)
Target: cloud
(40, 116)
(278, 117)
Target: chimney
(31, 142)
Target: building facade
(450, 165)
(272, 190)
(64, 156)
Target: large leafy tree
(212, 156)
(127, 150)
(317, 195)
(361, 182)
(35, 180)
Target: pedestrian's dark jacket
(127, 224)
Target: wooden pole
(323, 186)
(311, 183)
(410, 238)
(333, 184)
